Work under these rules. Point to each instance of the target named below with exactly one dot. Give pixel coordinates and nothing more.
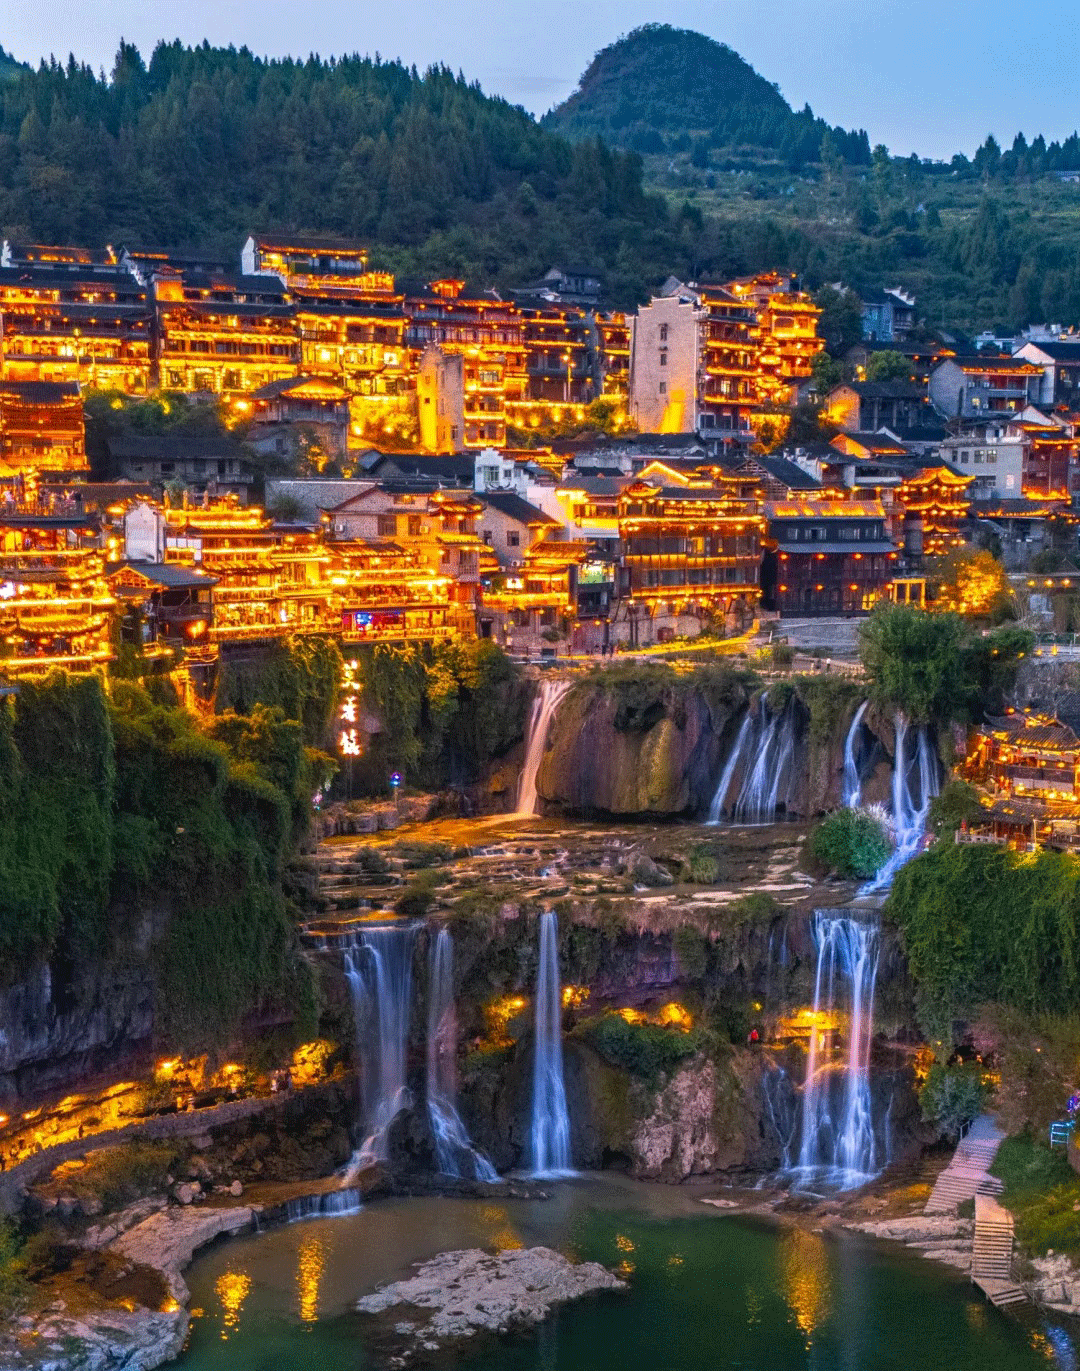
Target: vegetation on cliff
(935, 668)
(985, 925)
(442, 712)
(126, 818)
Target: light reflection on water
(707, 1293)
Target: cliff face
(670, 757)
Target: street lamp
(568, 358)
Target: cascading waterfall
(735, 756)
(550, 1119)
(852, 795)
(378, 965)
(774, 752)
(838, 1146)
(543, 711)
(454, 1152)
(908, 812)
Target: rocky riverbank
(474, 1292)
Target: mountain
(666, 89)
(9, 67)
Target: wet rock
(471, 1292)
(644, 871)
(169, 1239)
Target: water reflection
(232, 1289)
(753, 1307)
(310, 1264)
(804, 1275)
(501, 1233)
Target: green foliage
(888, 366)
(302, 677)
(972, 581)
(952, 1097)
(983, 925)
(692, 951)
(831, 701)
(648, 1051)
(643, 692)
(957, 804)
(1043, 1193)
(418, 896)
(850, 843)
(14, 1286)
(934, 667)
(117, 1176)
(782, 654)
(445, 711)
(57, 791)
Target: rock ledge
(471, 1291)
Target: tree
(971, 581)
(888, 366)
(827, 372)
(850, 843)
(841, 318)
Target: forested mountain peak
(661, 87)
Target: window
(513, 538)
(663, 359)
(663, 333)
(387, 525)
(414, 526)
(663, 387)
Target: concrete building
(440, 399)
(1059, 386)
(977, 387)
(994, 454)
(868, 406)
(510, 525)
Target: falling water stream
(550, 1119)
(543, 711)
(914, 784)
(454, 1151)
(838, 1146)
(735, 756)
(765, 748)
(852, 793)
(378, 965)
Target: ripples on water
(707, 1292)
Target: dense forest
(198, 147)
(663, 88)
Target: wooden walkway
(968, 1173)
(968, 1177)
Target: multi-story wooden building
(55, 601)
(222, 334)
(487, 333)
(826, 556)
(73, 316)
(788, 328)
(41, 428)
(690, 548)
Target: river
(707, 1291)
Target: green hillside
(663, 89)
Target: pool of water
(707, 1291)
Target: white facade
(665, 357)
(144, 534)
(994, 456)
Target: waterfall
(550, 1120)
(838, 1145)
(909, 814)
(330, 1204)
(543, 711)
(774, 754)
(378, 965)
(852, 781)
(453, 1150)
(735, 756)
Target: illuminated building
(174, 604)
(295, 417)
(559, 358)
(41, 428)
(787, 320)
(936, 501)
(384, 592)
(55, 603)
(1050, 462)
(510, 525)
(825, 556)
(1028, 766)
(869, 406)
(981, 387)
(74, 316)
(613, 332)
(221, 333)
(487, 333)
(688, 549)
(538, 594)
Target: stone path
(968, 1173)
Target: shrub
(14, 1287)
(952, 1097)
(118, 1176)
(692, 951)
(648, 1051)
(850, 843)
(782, 654)
(958, 803)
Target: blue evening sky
(930, 76)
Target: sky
(926, 76)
